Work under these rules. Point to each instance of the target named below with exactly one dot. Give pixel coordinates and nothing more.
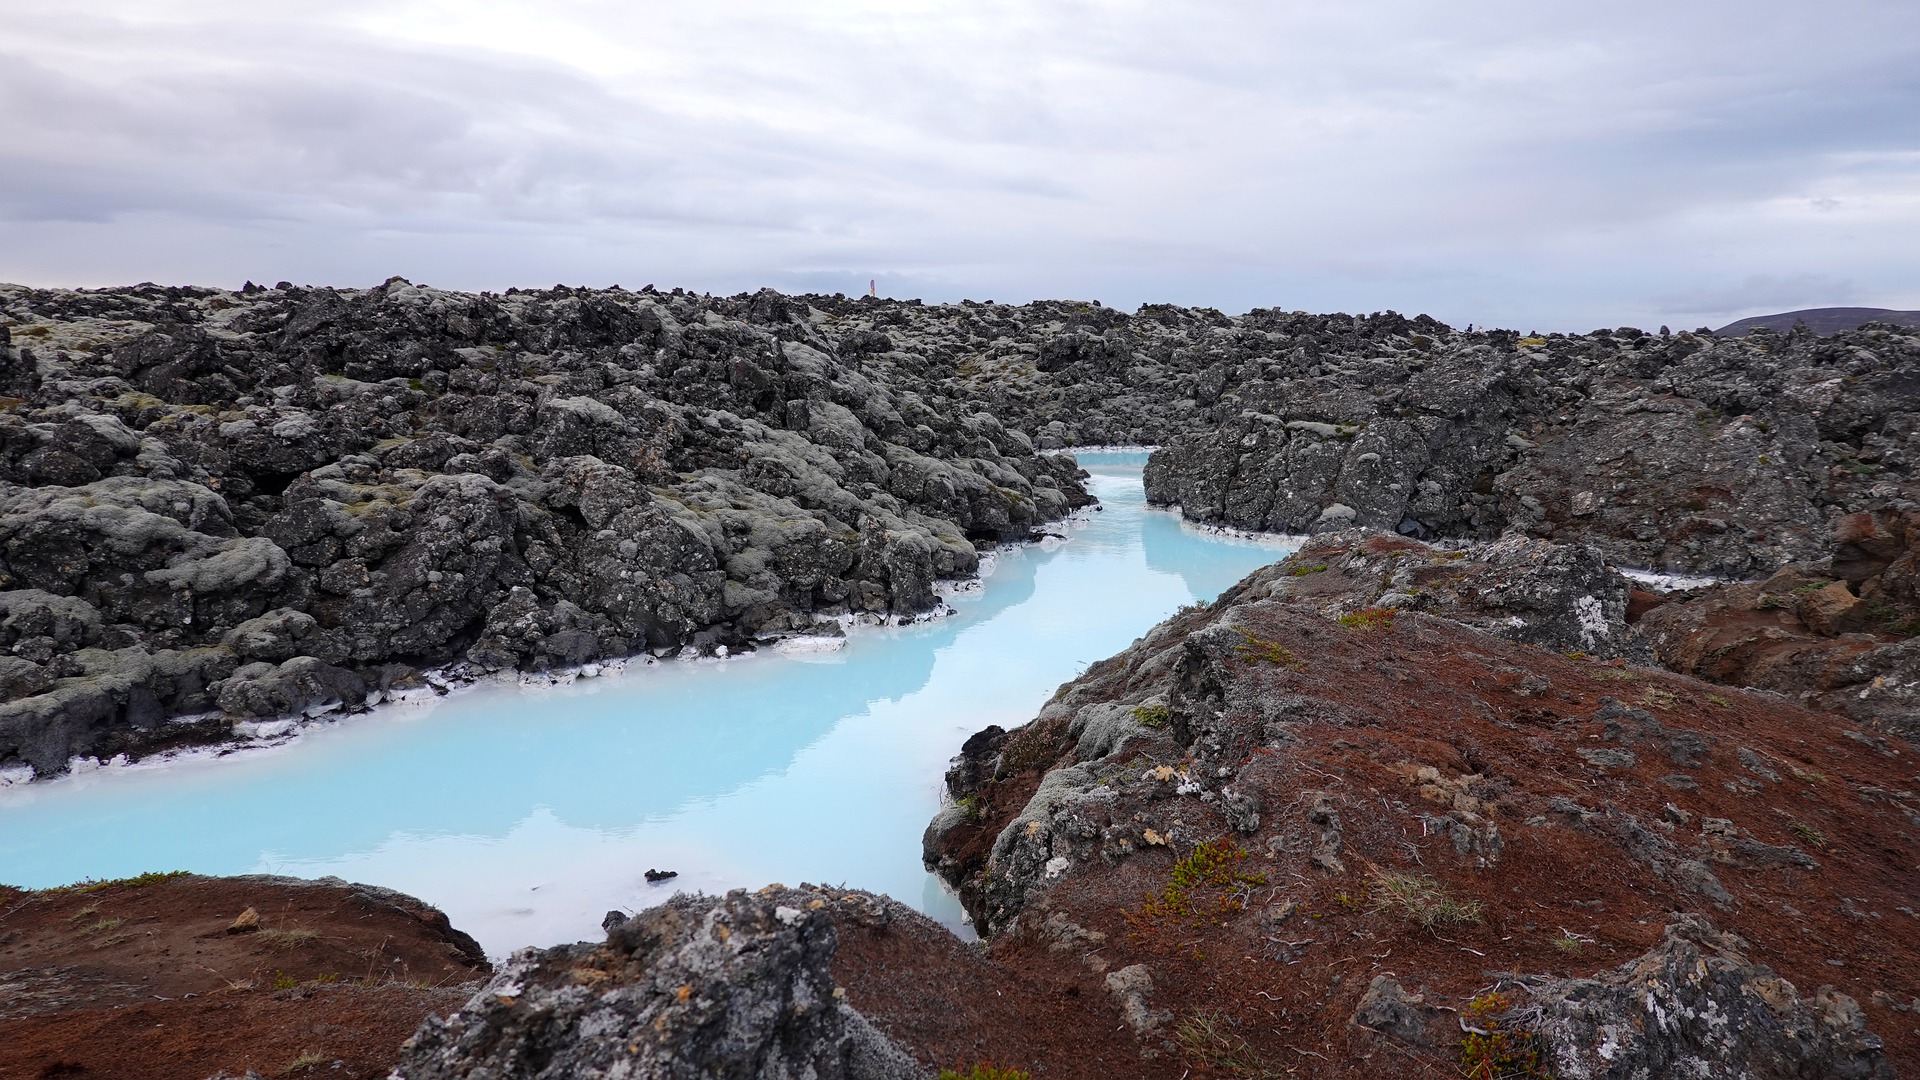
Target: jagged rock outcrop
(289, 501)
(1560, 596)
(701, 986)
(1681, 452)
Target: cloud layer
(1550, 166)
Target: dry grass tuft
(289, 939)
(1421, 900)
(1209, 1042)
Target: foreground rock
(807, 982)
(161, 977)
(1697, 1006)
(736, 986)
(1302, 823)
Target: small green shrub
(1153, 716)
(1809, 835)
(1571, 943)
(1896, 621)
(1211, 868)
(1494, 1050)
(1032, 747)
(151, 877)
(1303, 570)
(1209, 1041)
(986, 1070)
(306, 1062)
(1370, 619)
(1258, 650)
(1807, 776)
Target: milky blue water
(527, 813)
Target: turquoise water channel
(527, 812)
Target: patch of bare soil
(150, 979)
(956, 1005)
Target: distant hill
(1822, 320)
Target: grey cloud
(1762, 291)
(1498, 161)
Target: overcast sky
(1526, 164)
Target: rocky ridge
(219, 506)
(1828, 320)
(1681, 453)
(737, 986)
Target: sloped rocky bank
(1297, 830)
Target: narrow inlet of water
(526, 813)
